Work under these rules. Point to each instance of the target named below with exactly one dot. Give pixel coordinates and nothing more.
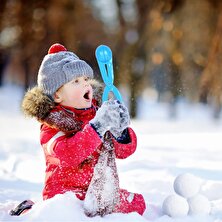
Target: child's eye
(87, 79)
(76, 81)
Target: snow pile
(67, 207)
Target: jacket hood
(36, 104)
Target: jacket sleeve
(123, 150)
(75, 149)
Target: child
(66, 101)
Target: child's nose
(86, 83)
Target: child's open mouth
(86, 95)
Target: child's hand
(124, 121)
(112, 115)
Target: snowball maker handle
(105, 62)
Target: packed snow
(187, 185)
(167, 148)
(199, 204)
(175, 206)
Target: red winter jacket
(70, 159)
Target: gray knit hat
(59, 67)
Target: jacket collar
(85, 114)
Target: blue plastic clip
(105, 61)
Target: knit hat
(60, 66)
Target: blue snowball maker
(104, 59)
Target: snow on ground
(166, 148)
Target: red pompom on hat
(56, 48)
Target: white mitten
(124, 121)
(111, 116)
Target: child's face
(77, 93)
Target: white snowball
(199, 204)
(187, 185)
(175, 206)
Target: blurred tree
(149, 52)
(197, 23)
(132, 55)
(3, 54)
(163, 49)
(211, 81)
(179, 36)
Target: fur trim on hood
(36, 104)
